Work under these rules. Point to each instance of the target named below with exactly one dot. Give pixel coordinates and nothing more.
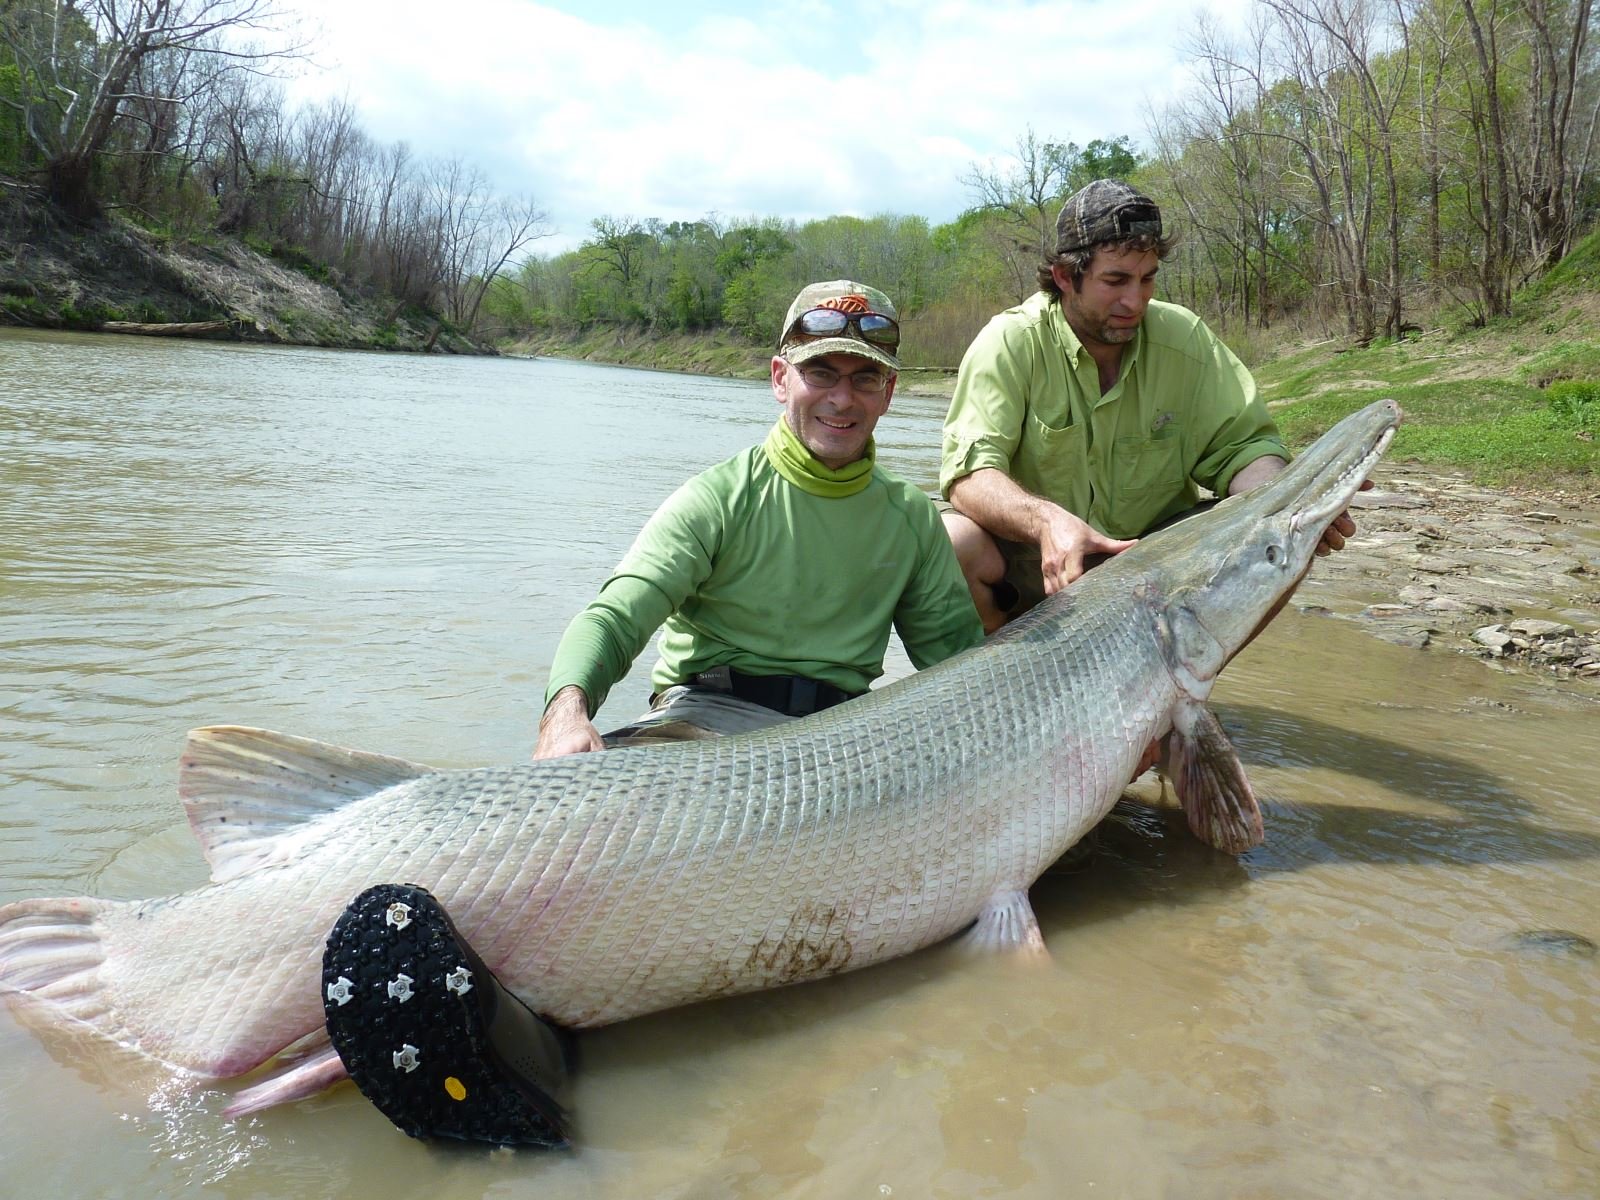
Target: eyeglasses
(823, 378)
(826, 322)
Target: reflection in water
(1389, 998)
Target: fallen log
(166, 328)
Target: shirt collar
(1072, 345)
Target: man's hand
(565, 727)
(1064, 541)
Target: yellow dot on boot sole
(457, 1089)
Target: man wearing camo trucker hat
(777, 576)
(1091, 414)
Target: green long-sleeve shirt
(1184, 412)
(745, 567)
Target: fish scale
(603, 886)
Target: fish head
(1224, 570)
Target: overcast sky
(797, 109)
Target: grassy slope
(1473, 398)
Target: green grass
(1501, 432)
(1516, 402)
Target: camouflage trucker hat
(869, 326)
(1106, 210)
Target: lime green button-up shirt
(1183, 415)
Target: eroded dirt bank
(58, 275)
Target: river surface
(1391, 998)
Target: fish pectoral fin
(1211, 784)
(322, 1069)
(243, 788)
(1007, 923)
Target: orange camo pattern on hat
(853, 303)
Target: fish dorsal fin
(244, 788)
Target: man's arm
(934, 615)
(1254, 474)
(1003, 507)
(666, 563)
(565, 727)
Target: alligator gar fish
(602, 886)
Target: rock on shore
(1438, 562)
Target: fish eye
(1273, 554)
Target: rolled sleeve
(1235, 426)
(984, 424)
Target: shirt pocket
(1053, 462)
(1149, 474)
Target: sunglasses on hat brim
(873, 328)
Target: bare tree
(1547, 179)
(1365, 130)
(1025, 194)
(81, 69)
(1225, 172)
(1496, 184)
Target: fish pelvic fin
(244, 788)
(1007, 924)
(322, 1069)
(1211, 784)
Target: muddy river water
(1397, 995)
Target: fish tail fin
(135, 972)
(51, 951)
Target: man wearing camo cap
(1091, 414)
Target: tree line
(1362, 158)
(1348, 165)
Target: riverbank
(716, 353)
(115, 276)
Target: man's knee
(984, 568)
(979, 556)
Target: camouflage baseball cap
(1106, 210)
(847, 297)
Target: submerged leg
(427, 1032)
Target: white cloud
(798, 109)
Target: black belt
(796, 695)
